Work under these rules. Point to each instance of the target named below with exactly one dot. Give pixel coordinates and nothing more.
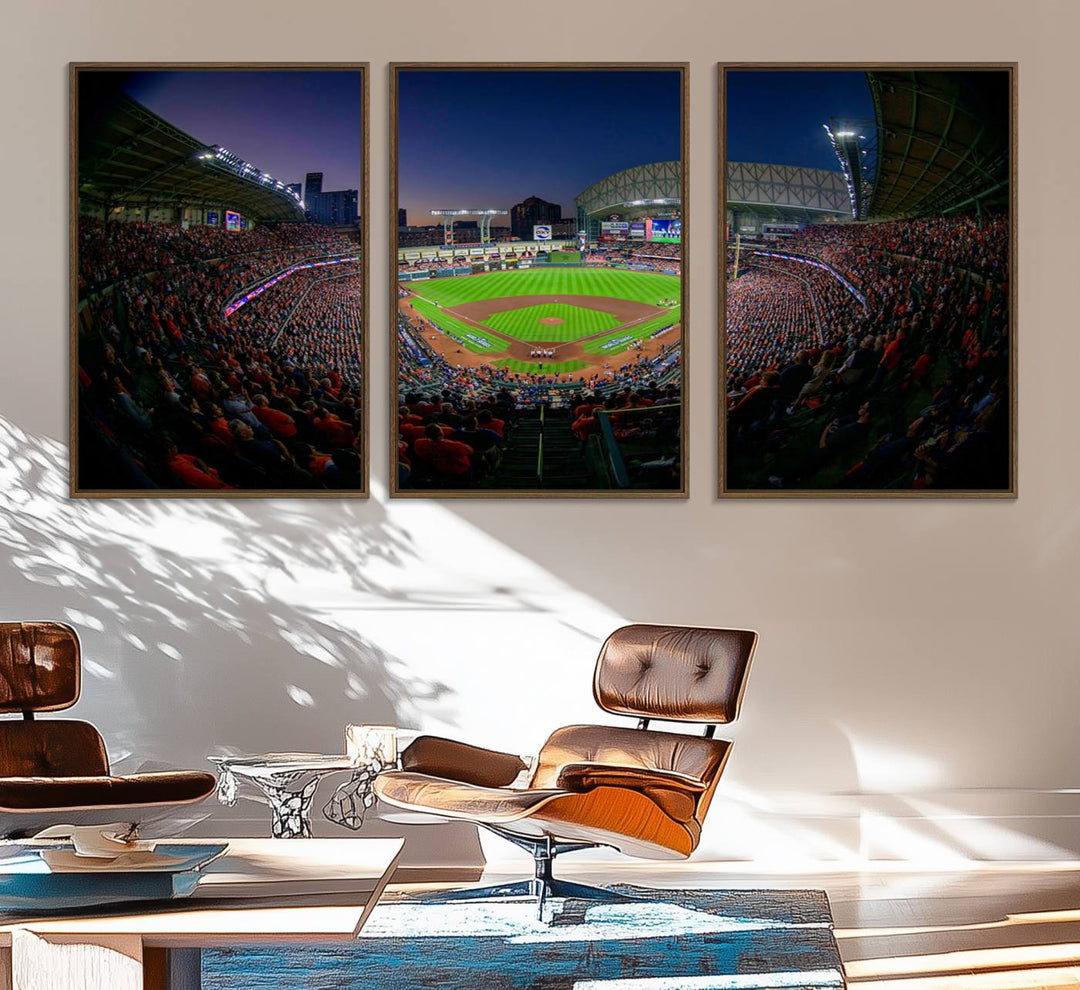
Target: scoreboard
(614, 230)
(665, 231)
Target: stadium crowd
(777, 307)
(323, 328)
(445, 395)
(458, 261)
(906, 391)
(175, 395)
(108, 252)
(646, 257)
(651, 257)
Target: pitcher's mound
(550, 321)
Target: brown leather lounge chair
(643, 792)
(55, 771)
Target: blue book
(44, 880)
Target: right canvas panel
(867, 290)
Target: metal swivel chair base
(543, 885)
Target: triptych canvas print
(539, 299)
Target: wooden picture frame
(355, 480)
(404, 489)
(727, 486)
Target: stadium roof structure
(787, 192)
(943, 141)
(639, 188)
(129, 156)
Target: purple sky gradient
(286, 122)
(489, 138)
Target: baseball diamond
(581, 318)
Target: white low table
(261, 890)
(288, 780)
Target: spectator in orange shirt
(218, 424)
(311, 459)
(334, 430)
(585, 426)
(446, 457)
(191, 470)
(486, 421)
(280, 424)
(921, 367)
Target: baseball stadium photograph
(538, 269)
(217, 280)
(868, 309)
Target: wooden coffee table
(261, 890)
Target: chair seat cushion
(77, 793)
(615, 816)
(456, 799)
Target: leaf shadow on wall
(189, 647)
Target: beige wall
(917, 687)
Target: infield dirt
(629, 313)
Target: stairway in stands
(564, 465)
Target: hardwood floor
(1001, 926)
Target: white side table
(288, 780)
(372, 749)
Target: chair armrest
(453, 760)
(585, 776)
(675, 793)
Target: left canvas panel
(218, 287)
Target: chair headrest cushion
(39, 666)
(679, 673)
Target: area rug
(660, 940)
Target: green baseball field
(547, 321)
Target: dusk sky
(491, 138)
(287, 123)
(776, 117)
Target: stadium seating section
(175, 395)
(902, 386)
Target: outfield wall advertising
(504, 248)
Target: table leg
(90, 962)
(290, 809)
(172, 969)
(351, 800)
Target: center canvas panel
(538, 269)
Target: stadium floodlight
(651, 202)
(857, 156)
(485, 221)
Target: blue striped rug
(662, 940)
